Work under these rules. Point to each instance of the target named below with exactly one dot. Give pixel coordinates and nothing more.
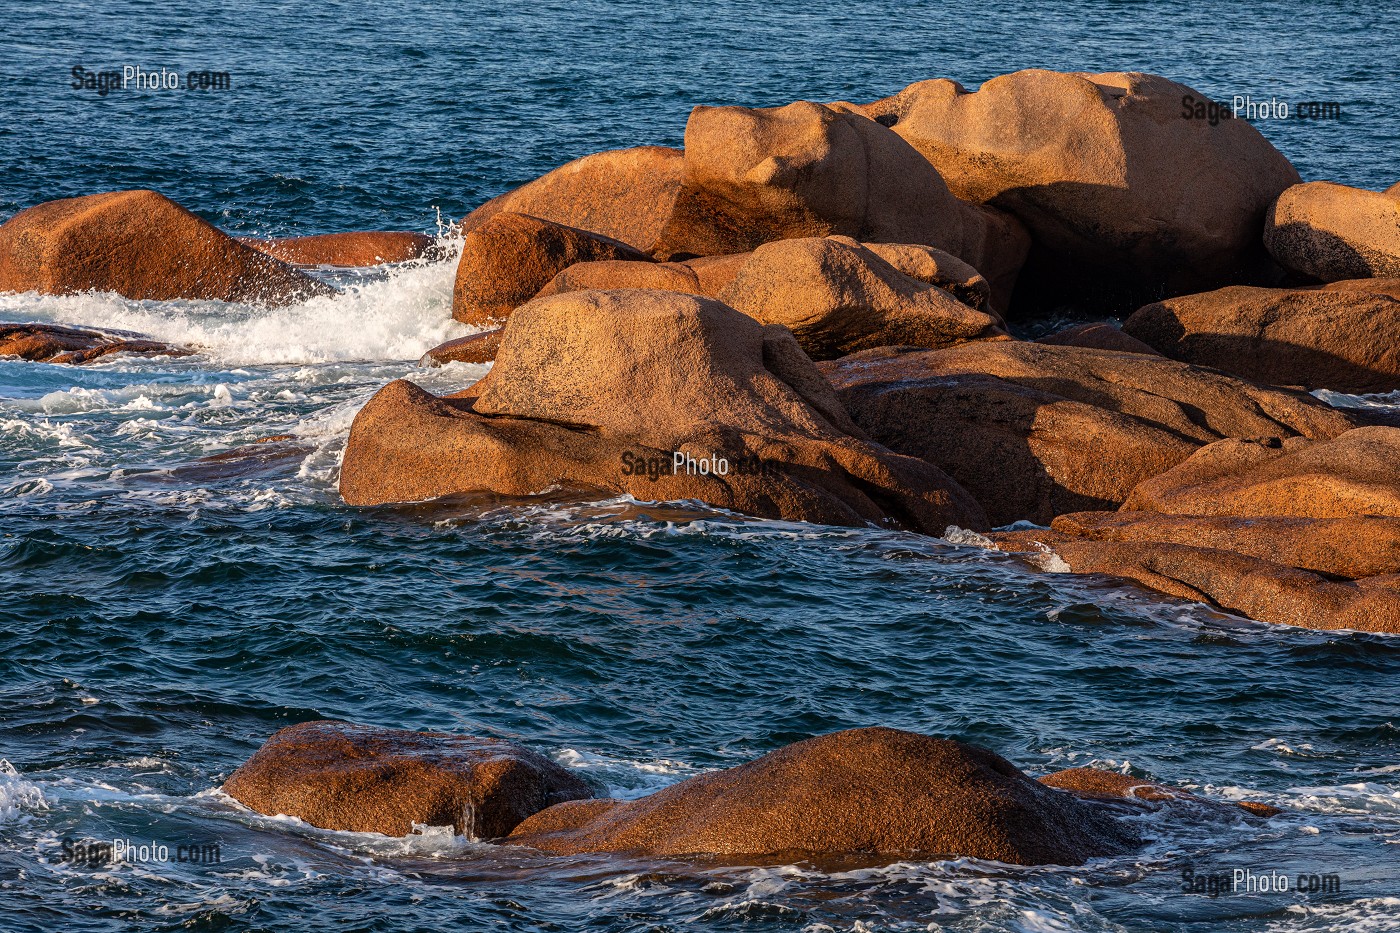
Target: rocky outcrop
(1348, 548)
(1354, 474)
(609, 274)
(356, 778)
(1259, 589)
(56, 343)
(473, 348)
(1340, 336)
(1121, 193)
(837, 297)
(1295, 531)
(509, 258)
(1033, 431)
(358, 248)
(140, 245)
(1331, 232)
(1097, 336)
(625, 194)
(805, 170)
(874, 791)
(601, 390)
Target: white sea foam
(19, 796)
(394, 317)
(1363, 915)
(955, 535)
(627, 778)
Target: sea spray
(395, 313)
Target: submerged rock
(602, 390)
(1120, 192)
(358, 248)
(1340, 336)
(1331, 232)
(510, 257)
(57, 343)
(1033, 431)
(838, 297)
(364, 779)
(804, 170)
(1098, 784)
(625, 194)
(874, 791)
(140, 245)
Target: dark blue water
(345, 116)
(160, 615)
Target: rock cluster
(654, 316)
(1033, 430)
(1302, 531)
(661, 395)
(876, 792)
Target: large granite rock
(600, 390)
(364, 779)
(509, 258)
(1353, 474)
(873, 791)
(140, 245)
(1340, 336)
(838, 297)
(624, 194)
(1120, 192)
(1331, 232)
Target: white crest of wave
(397, 315)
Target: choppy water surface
(161, 614)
